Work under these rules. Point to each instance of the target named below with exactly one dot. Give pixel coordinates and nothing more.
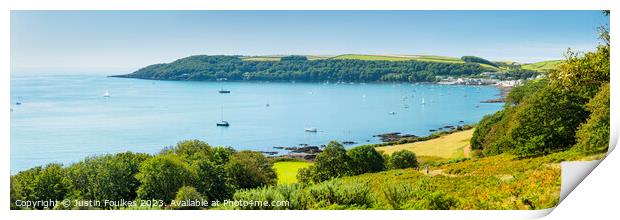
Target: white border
(593, 198)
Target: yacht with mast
(222, 123)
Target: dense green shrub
(306, 175)
(212, 180)
(51, 183)
(422, 195)
(593, 135)
(398, 195)
(334, 194)
(583, 74)
(333, 162)
(256, 197)
(193, 150)
(249, 169)
(185, 196)
(546, 122)
(403, 159)
(485, 125)
(208, 162)
(40, 184)
(161, 177)
(520, 93)
(110, 177)
(22, 186)
(365, 159)
(293, 196)
(433, 201)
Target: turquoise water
(64, 118)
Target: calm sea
(64, 118)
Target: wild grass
(496, 182)
(448, 146)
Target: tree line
(299, 68)
(567, 110)
(190, 169)
(335, 161)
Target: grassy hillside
(287, 170)
(489, 183)
(427, 58)
(542, 66)
(498, 182)
(448, 147)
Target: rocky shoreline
(309, 152)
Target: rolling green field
(287, 170)
(542, 66)
(538, 66)
(426, 58)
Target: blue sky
(122, 41)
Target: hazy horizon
(114, 42)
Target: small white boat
(392, 113)
(423, 102)
(106, 93)
(222, 123)
(311, 130)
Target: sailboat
(222, 87)
(311, 130)
(224, 91)
(19, 100)
(106, 93)
(222, 123)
